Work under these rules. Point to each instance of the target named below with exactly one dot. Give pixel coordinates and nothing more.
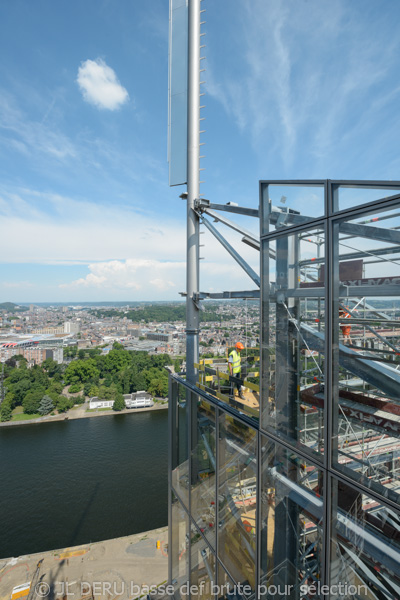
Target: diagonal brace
(245, 266)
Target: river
(73, 482)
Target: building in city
(95, 403)
(293, 490)
(35, 349)
(71, 327)
(139, 399)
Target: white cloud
(123, 253)
(152, 278)
(55, 229)
(162, 284)
(100, 86)
(131, 274)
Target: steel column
(193, 190)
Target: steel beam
(231, 224)
(370, 232)
(253, 243)
(381, 376)
(370, 308)
(227, 295)
(245, 266)
(238, 210)
(357, 254)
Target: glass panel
(179, 554)
(293, 349)
(366, 316)
(237, 499)
(365, 547)
(180, 459)
(352, 196)
(241, 389)
(203, 471)
(177, 92)
(227, 589)
(290, 205)
(202, 576)
(291, 522)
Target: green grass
(98, 409)
(24, 417)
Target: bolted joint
(196, 302)
(201, 203)
(280, 298)
(192, 331)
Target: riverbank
(81, 412)
(118, 567)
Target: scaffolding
(321, 401)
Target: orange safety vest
(345, 315)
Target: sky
(294, 89)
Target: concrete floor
(113, 569)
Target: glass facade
(291, 505)
(300, 499)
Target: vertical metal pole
(172, 441)
(193, 190)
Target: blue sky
(294, 89)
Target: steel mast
(193, 191)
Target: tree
(51, 366)
(86, 388)
(20, 389)
(32, 401)
(125, 381)
(46, 405)
(81, 371)
(138, 381)
(74, 388)
(81, 354)
(108, 393)
(21, 360)
(158, 385)
(5, 411)
(70, 351)
(94, 391)
(64, 404)
(119, 403)
(117, 360)
(38, 376)
(56, 387)
(10, 398)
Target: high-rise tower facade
(293, 490)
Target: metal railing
(213, 377)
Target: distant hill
(161, 313)
(11, 307)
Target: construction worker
(234, 368)
(343, 314)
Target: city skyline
(293, 90)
